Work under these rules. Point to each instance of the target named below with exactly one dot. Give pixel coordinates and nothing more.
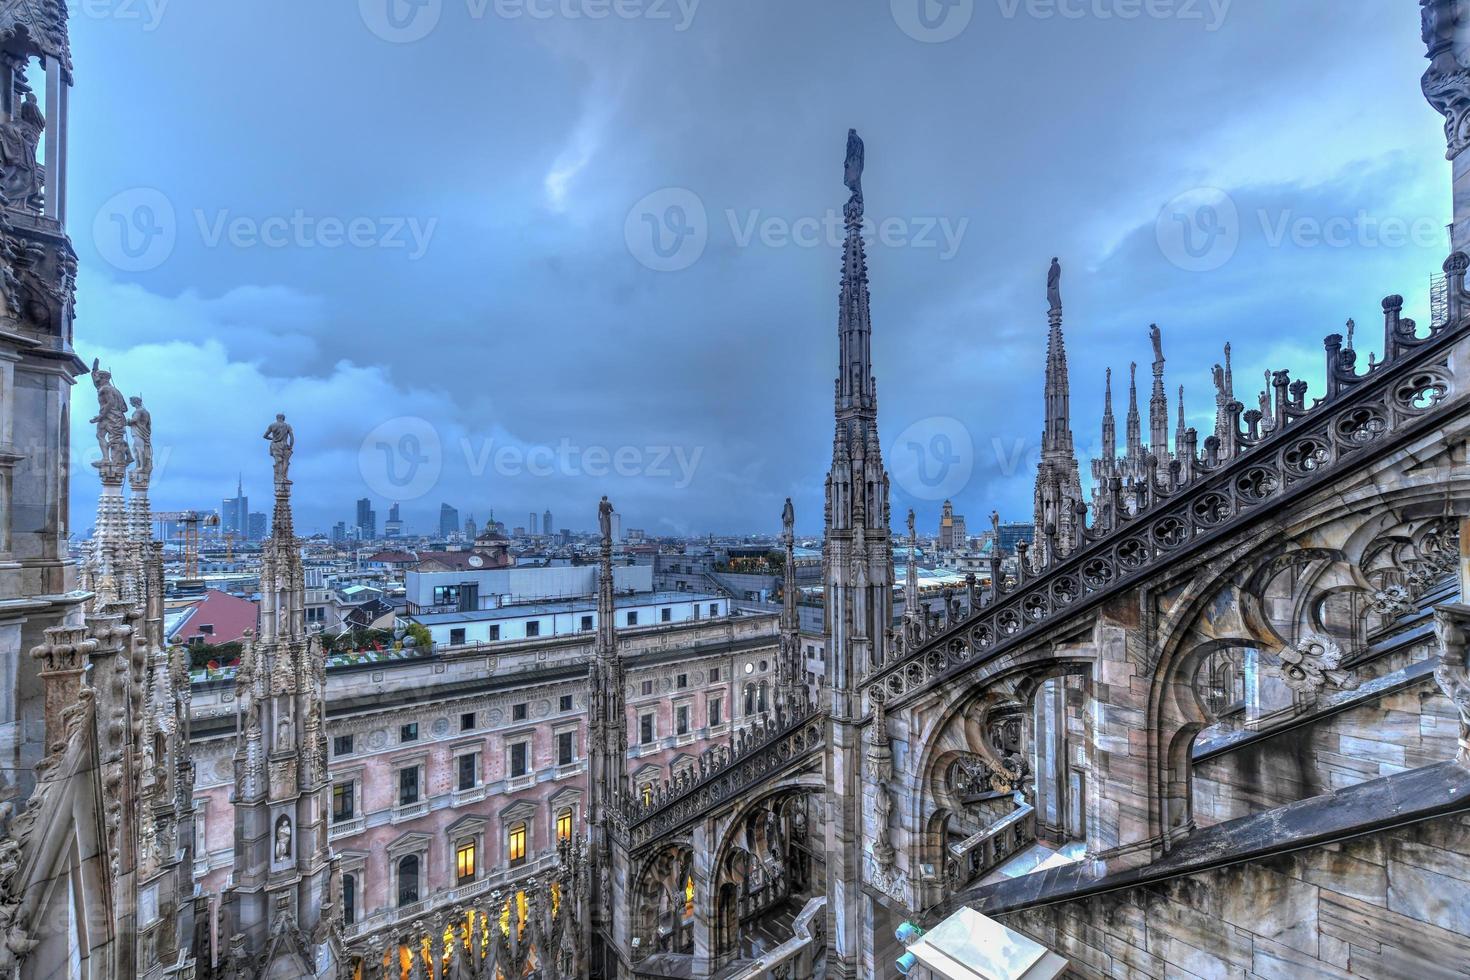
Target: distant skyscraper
(546, 524)
(469, 527)
(393, 527)
(258, 527)
(532, 524)
(339, 531)
(234, 513)
(448, 520)
(367, 520)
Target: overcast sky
(512, 254)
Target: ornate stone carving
(283, 444)
(111, 421)
(1312, 664)
(1452, 631)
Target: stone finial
(1054, 286)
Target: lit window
(517, 848)
(464, 862)
(647, 794)
(564, 825)
(342, 802)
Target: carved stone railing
(1204, 497)
(767, 754)
(981, 853)
(793, 958)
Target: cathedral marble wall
(1394, 904)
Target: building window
(565, 703)
(494, 632)
(665, 615)
(446, 595)
(408, 786)
(765, 665)
(633, 618)
(342, 745)
(682, 681)
(681, 719)
(518, 759)
(714, 675)
(408, 880)
(408, 733)
(714, 610)
(517, 845)
(349, 899)
(533, 628)
(467, 721)
(518, 712)
(456, 637)
(469, 770)
(464, 862)
(715, 708)
(750, 699)
(566, 748)
(647, 688)
(564, 824)
(343, 803)
(586, 623)
(763, 696)
(645, 729)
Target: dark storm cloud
(369, 230)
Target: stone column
(705, 896)
(1446, 33)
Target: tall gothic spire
(1058, 483)
(1109, 424)
(1179, 426)
(856, 390)
(1158, 403)
(1134, 423)
(790, 688)
(283, 897)
(607, 766)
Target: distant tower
(531, 524)
(1058, 483)
(858, 583)
(546, 525)
(282, 916)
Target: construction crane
(191, 521)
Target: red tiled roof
(393, 557)
(230, 616)
(459, 561)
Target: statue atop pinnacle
(853, 175)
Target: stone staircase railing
(1200, 497)
(726, 773)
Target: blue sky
(435, 253)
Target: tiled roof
(230, 616)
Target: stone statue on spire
(604, 520)
(283, 444)
(141, 422)
(111, 422)
(1054, 285)
(853, 176)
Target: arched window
(408, 880)
(349, 899)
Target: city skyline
(551, 202)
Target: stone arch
(662, 920)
